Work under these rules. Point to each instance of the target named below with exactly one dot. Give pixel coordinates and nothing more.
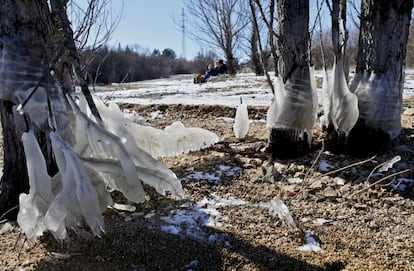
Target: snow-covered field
(180, 89)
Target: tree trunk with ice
(379, 78)
(28, 20)
(291, 114)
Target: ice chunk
(241, 121)
(279, 209)
(389, 164)
(312, 245)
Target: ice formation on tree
(93, 157)
(241, 121)
(380, 99)
(173, 140)
(294, 104)
(33, 206)
(340, 104)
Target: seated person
(219, 68)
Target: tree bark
(289, 140)
(24, 23)
(383, 39)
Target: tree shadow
(141, 245)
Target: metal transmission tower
(183, 32)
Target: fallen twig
(379, 181)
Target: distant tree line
(106, 65)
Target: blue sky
(150, 24)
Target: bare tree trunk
(379, 77)
(255, 56)
(22, 22)
(288, 136)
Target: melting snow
(192, 220)
(223, 171)
(324, 166)
(312, 245)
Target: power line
(183, 32)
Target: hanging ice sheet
(340, 104)
(128, 160)
(33, 206)
(380, 99)
(294, 103)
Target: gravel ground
(359, 225)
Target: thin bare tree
(219, 24)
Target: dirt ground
(362, 227)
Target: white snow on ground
(180, 89)
(193, 219)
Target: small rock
(339, 181)
(329, 192)
(316, 184)
(6, 228)
(373, 224)
(294, 180)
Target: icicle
(111, 172)
(241, 121)
(77, 200)
(104, 144)
(343, 109)
(33, 206)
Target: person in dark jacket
(219, 68)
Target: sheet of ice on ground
(402, 184)
(220, 174)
